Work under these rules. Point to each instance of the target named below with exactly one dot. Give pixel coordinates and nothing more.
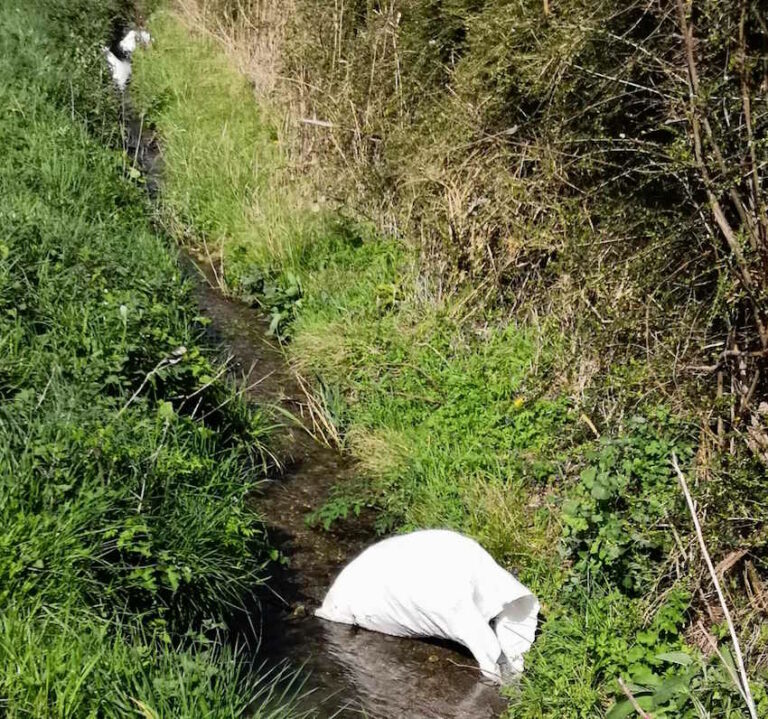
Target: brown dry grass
(546, 218)
(492, 207)
(251, 31)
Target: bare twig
(693, 78)
(633, 701)
(757, 197)
(584, 418)
(730, 561)
(316, 123)
(720, 424)
(744, 681)
(728, 668)
(174, 358)
(45, 391)
(219, 280)
(222, 370)
(697, 120)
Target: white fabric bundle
(134, 39)
(437, 583)
(120, 67)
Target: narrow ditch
(350, 672)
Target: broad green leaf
(588, 476)
(680, 658)
(620, 710)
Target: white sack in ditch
(437, 583)
(118, 68)
(134, 39)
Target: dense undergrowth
(126, 539)
(466, 404)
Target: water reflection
(395, 677)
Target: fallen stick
(317, 123)
(633, 701)
(744, 688)
(173, 359)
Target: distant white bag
(438, 583)
(134, 39)
(118, 68)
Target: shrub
(617, 517)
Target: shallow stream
(349, 672)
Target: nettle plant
(617, 518)
(280, 296)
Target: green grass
(450, 396)
(220, 153)
(126, 537)
(67, 662)
(451, 408)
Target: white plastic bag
(134, 39)
(120, 67)
(438, 583)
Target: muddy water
(351, 672)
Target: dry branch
(699, 119)
(743, 684)
(632, 700)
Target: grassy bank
(463, 407)
(126, 539)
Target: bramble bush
(546, 251)
(617, 517)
